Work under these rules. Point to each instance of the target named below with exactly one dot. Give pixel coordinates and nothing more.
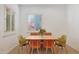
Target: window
(10, 19)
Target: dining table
(39, 37)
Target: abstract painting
(34, 22)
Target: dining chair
(47, 33)
(35, 44)
(61, 42)
(34, 33)
(22, 42)
(49, 44)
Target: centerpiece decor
(42, 31)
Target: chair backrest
(48, 43)
(22, 40)
(62, 40)
(47, 33)
(34, 33)
(35, 43)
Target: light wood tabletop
(38, 37)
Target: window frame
(10, 31)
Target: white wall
(53, 17)
(73, 25)
(8, 41)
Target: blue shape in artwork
(37, 22)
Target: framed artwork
(34, 22)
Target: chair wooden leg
(61, 49)
(22, 49)
(66, 49)
(57, 49)
(28, 49)
(32, 50)
(53, 51)
(46, 50)
(38, 50)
